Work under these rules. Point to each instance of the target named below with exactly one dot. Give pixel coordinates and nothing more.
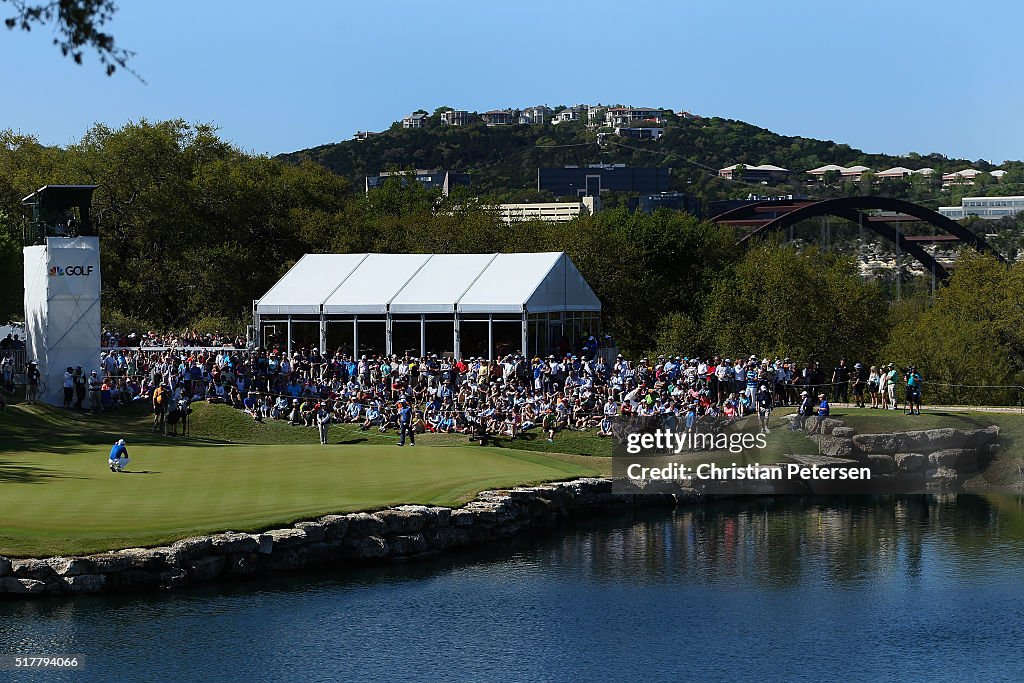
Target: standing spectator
(323, 421)
(95, 393)
(874, 379)
(161, 397)
(764, 407)
(890, 386)
(913, 391)
(32, 379)
(548, 424)
(69, 387)
(405, 423)
(81, 387)
(859, 384)
(841, 382)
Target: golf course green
(58, 497)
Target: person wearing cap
(118, 458)
(32, 379)
(890, 378)
(859, 381)
(323, 421)
(69, 386)
(405, 423)
(805, 410)
(874, 380)
(95, 393)
(823, 410)
(841, 382)
(549, 424)
(764, 407)
(913, 391)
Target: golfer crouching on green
(118, 456)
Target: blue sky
(886, 76)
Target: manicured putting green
(57, 495)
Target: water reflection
(903, 586)
(788, 541)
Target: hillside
(503, 160)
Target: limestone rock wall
(399, 532)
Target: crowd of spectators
(183, 339)
(506, 397)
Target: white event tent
(452, 304)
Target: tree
(971, 335)
(78, 25)
(807, 305)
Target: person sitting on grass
(352, 411)
(118, 456)
(373, 417)
(295, 415)
(307, 412)
(605, 428)
(388, 420)
(251, 405)
(280, 409)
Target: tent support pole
(289, 335)
(355, 337)
(524, 331)
(387, 334)
(490, 336)
(423, 335)
(458, 339)
(323, 333)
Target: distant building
(441, 180)
(553, 212)
(895, 172)
(998, 174)
(852, 173)
(752, 173)
(456, 117)
(674, 201)
(626, 116)
(534, 115)
(498, 117)
(965, 177)
(652, 133)
(569, 114)
(591, 181)
(363, 135)
(989, 208)
(418, 120)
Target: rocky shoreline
(399, 532)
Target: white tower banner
(62, 309)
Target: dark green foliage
(810, 306)
(504, 159)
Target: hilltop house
(625, 116)
(534, 115)
(456, 117)
(762, 173)
(498, 117)
(418, 120)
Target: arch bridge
(767, 217)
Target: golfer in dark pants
(405, 423)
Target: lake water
(885, 588)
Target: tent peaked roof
(375, 284)
(305, 286)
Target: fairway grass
(59, 498)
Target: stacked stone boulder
(398, 532)
(934, 458)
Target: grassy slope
(59, 497)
